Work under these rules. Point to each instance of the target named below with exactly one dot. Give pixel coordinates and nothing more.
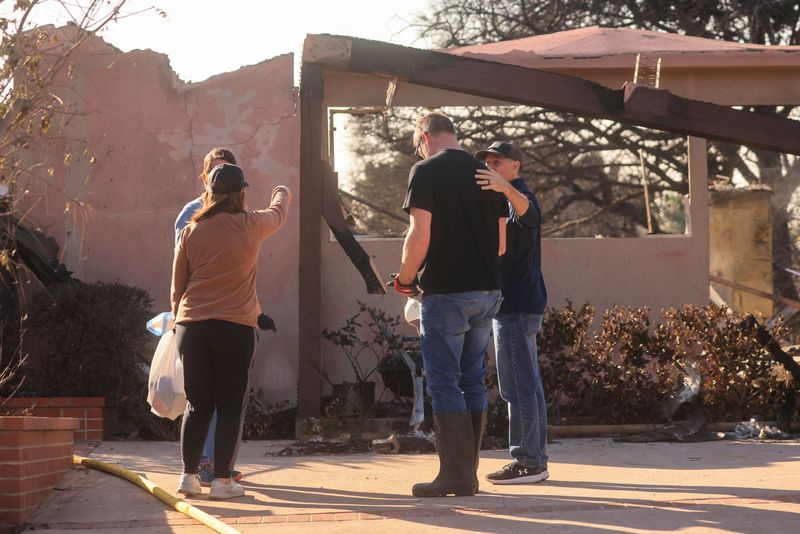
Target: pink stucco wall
(149, 132)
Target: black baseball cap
(226, 178)
(501, 148)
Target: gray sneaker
(220, 490)
(516, 473)
(189, 484)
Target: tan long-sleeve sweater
(216, 259)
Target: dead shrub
(628, 370)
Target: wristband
(410, 290)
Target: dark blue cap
(501, 148)
(226, 178)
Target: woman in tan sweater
(215, 307)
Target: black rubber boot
(478, 429)
(454, 439)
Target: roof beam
(643, 106)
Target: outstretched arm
(274, 216)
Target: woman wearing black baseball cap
(215, 308)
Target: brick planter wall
(90, 411)
(35, 452)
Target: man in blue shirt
(519, 318)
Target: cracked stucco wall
(149, 132)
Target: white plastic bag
(161, 324)
(165, 392)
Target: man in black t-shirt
(456, 233)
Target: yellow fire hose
(176, 503)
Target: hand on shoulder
(489, 180)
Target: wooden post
(646, 193)
(309, 350)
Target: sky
(207, 37)
(203, 38)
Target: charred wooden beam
(642, 106)
(789, 394)
(332, 211)
(661, 110)
(751, 326)
(747, 289)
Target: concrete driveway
(596, 485)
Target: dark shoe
(206, 473)
(515, 473)
(454, 440)
(478, 429)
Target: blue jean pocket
(495, 308)
(450, 313)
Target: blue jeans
(454, 334)
(521, 386)
(208, 448)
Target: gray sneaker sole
(224, 491)
(224, 497)
(532, 479)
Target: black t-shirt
(462, 255)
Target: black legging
(216, 359)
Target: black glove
(265, 322)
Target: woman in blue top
(216, 156)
